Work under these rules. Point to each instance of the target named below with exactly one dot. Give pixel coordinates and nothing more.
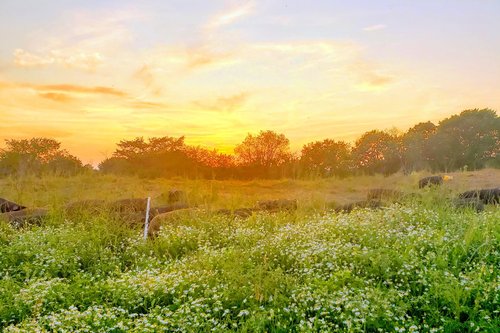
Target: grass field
(420, 266)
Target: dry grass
(54, 191)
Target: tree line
(469, 140)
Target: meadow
(415, 266)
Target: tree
(130, 149)
(43, 149)
(115, 165)
(470, 139)
(157, 157)
(377, 152)
(37, 156)
(63, 164)
(211, 163)
(326, 158)
(416, 150)
(264, 153)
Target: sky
(91, 73)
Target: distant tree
(377, 152)
(156, 157)
(264, 153)
(21, 164)
(130, 149)
(115, 165)
(65, 165)
(211, 163)
(416, 150)
(326, 158)
(470, 139)
(37, 156)
(43, 149)
(266, 149)
(210, 158)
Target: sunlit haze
(90, 73)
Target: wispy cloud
(17, 131)
(211, 50)
(370, 77)
(145, 75)
(64, 88)
(83, 40)
(375, 27)
(182, 61)
(81, 89)
(147, 105)
(79, 60)
(229, 103)
(56, 97)
(332, 61)
(204, 56)
(231, 15)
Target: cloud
(178, 61)
(211, 50)
(225, 104)
(138, 104)
(230, 16)
(79, 60)
(82, 40)
(326, 60)
(376, 80)
(63, 89)
(375, 27)
(369, 76)
(29, 131)
(80, 89)
(145, 75)
(200, 57)
(56, 97)
(6, 85)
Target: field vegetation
(415, 266)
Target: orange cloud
(225, 104)
(56, 97)
(64, 88)
(148, 105)
(5, 85)
(145, 75)
(80, 89)
(197, 57)
(370, 78)
(33, 131)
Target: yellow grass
(55, 191)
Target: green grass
(421, 266)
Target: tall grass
(419, 266)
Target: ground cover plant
(415, 266)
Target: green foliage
(37, 156)
(420, 267)
(377, 152)
(416, 147)
(263, 155)
(326, 158)
(470, 139)
(166, 157)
